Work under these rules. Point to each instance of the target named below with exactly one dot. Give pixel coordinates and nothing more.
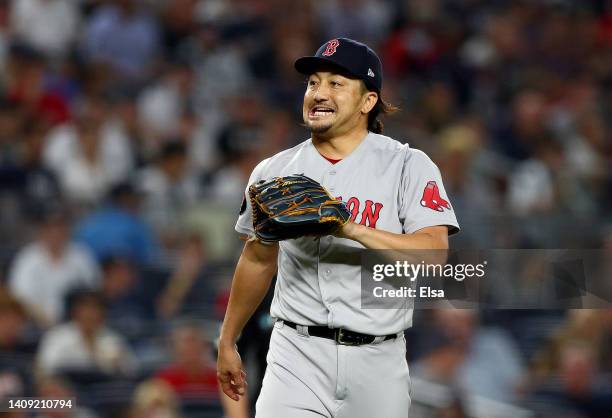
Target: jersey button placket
(331, 186)
(325, 275)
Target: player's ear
(369, 101)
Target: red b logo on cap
(330, 49)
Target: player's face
(333, 104)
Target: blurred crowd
(128, 131)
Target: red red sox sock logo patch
(331, 47)
(431, 198)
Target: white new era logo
(370, 72)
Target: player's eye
(312, 83)
(335, 84)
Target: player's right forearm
(254, 272)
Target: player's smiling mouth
(320, 111)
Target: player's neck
(338, 147)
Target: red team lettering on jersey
(330, 49)
(431, 198)
(371, 212)
(369, 215)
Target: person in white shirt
(90, 155)
(50, 25)
(45, 270)
(170, 187)
(84, 343)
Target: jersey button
(332, 173)
(327, 272)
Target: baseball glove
(294, 206)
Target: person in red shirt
(192, 374)
(28, 89)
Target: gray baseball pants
(312, 377)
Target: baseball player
(327, 356)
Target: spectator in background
(366, 20)
(37, 185)
(44, 271)
(275, 64)
(475, 200)
(27, 89)
(179, 19)
(49, 25)
(193, 374)
(13, 320)
(418, 43)
(128, 309)
(54, 387)
(15, 349)
(587, 327)
(533, 189)
(438, 106)
(526, 127)
(5, 37)
(84, 344)
(83, 177)
(243, 132)
(221, 69)
(24, 174)
(543, 185)
(126, 120)
(169, 188)
(228, 184)
(577, 386)
(117, 228)
(11, 123)
(585, 149)
(589, 391)
(161, 105)
(91, 155)
(477, 360)
(543, 192)
(123, 35)
(240, 142)
(187, 291)
(154, 398)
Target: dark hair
(115, 260)
(121, 190)
(380, 108)
(173, 148)
(52, 213)
(82, 296)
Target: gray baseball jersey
(386, 185)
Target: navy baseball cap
(352, 57)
